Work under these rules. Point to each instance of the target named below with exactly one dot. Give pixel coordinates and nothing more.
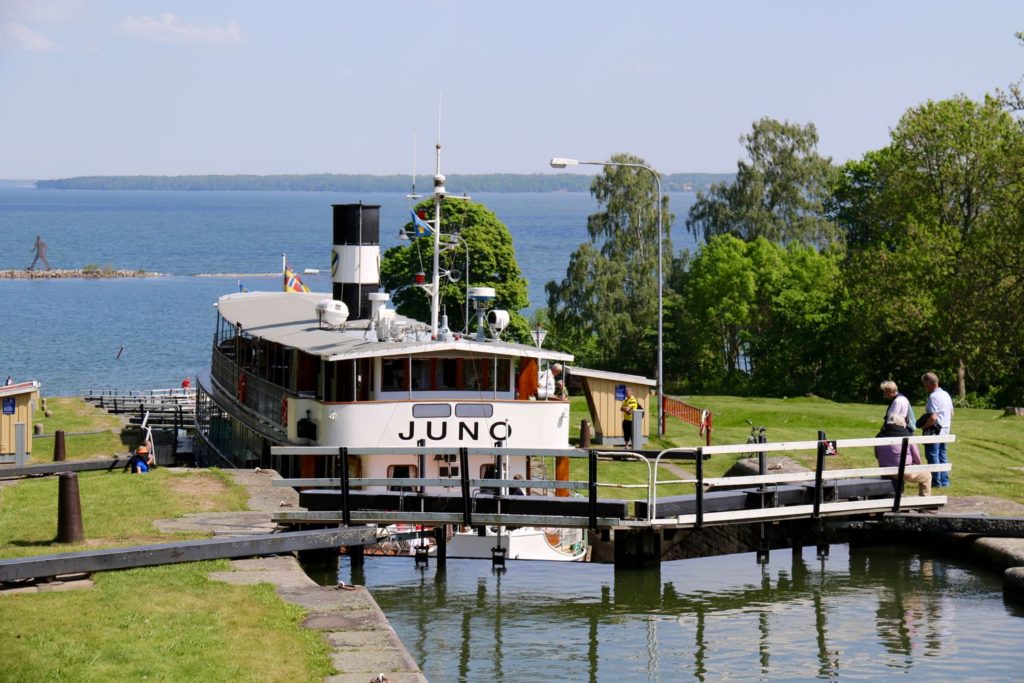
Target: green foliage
(757, 316)
(934, 230)
(778, 194)
(605, 309)
(492, 263)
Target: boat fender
(284, 410)
(241, 388)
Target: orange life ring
(241, 388)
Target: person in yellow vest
(629, 404)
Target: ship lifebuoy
(284, 410)
(241, 388)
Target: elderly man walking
(939, 416)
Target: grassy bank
(76, 418)
(163, 623)
(987, 457)
(117, 508)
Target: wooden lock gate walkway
(462, 500)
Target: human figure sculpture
(40, 253)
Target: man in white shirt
(940, 414)
(549, 386)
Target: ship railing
(258, 396)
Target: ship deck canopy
(290, 319)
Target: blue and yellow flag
(420, 227)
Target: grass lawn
(117, 508)
(75, 415)
(988, 457)
(167, 623)
(161, 623)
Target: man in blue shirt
(940, 414)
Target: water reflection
(863, 612)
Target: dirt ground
(198, 491)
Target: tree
(778, 194)
(492, 263)
(934, 229)
(759, 316)
(605, 309)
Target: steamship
(292, 368)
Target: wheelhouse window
(481, 374)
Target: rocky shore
(91, 273)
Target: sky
(329, 86)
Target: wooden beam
(65, 466)
(182, 551)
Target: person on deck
(629, 404)
(937, 420)
(549, 385)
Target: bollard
(69, 509)
(585, 434)
(37, 429)
(58, 446)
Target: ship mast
(439, 193)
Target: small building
(605, 392)
(18, 404)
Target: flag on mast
(420, 227)
(292, 283)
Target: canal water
(873, 613)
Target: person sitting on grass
(142, 461)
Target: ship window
(394, 376)
(431, 410)
(488, 472)
(401, 472)
(474, 410)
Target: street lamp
(562, 162)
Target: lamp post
(561, 162)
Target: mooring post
(69, 509)
(585, 434)
(59, 453)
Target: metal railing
(469, 487)
(260, 397)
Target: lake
(150, 333)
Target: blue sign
(620, 392)
(9, 406)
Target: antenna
(413, 195)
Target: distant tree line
(326, 182)
(817, 278)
